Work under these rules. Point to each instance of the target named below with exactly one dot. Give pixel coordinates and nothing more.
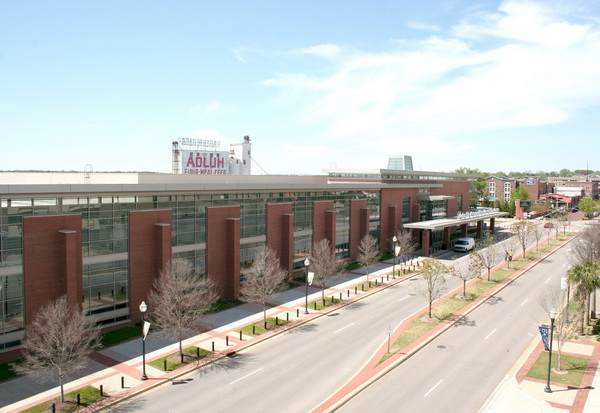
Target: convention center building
(101, 239)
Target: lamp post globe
(143, 308)
(552, 314)
(306, 264)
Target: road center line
(404, 298)
(527, 299)
(247, 375)
(343, 328)
(488, 336)
(437, 384)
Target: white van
(464, 244)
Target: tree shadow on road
(493, 300)
(464, 321)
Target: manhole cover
(441, 346)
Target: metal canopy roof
(467, 218)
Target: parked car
(548, 225)
(464, 244)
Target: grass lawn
(444, 309)
(118, 336)
(190, 355)
(89, 395)
(258, 328)
(575, 367)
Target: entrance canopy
(460, 219)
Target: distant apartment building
(502, 187)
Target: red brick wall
(52, 260)
(323, 225)
(223, 249)
(391, 218)
(149, 253)
(454, 188)
(280, 233)
(359, 224)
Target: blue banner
(545, 332)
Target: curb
(114, 400)
(434, 334)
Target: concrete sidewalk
(118, 369)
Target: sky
(508, 85)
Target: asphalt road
(295, 371)
(461, 368)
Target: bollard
(198, 348)
(165, 365)
(241, 335)
(297, 312)
(276, 321)
(362, 286)
(287, 316)
(348, 293)
(101, 391)
(355, 290)
(388, 277)
(226, 340)
(332, 300)
(382, 280)
(315, 305)
(253, 330)
(369, 284)
(213, 346)
(78, 399)
(122, 382)
(340, 296)
(98, 294)
(53, 408)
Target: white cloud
(525, 64)
(208, 109)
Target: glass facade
(105, 229)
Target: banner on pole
(563, 283)
(311, 275)
(545, 332)
(146, 329)
(397, 250)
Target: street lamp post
(143, 308)
(552, 317)
(394, 241)
(306, 264)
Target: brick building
(102, 238)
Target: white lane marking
(527, 299)
(437, 384)
(343, 328)
(247, 375)
(546, 282)
(488, 336)
(402, 299)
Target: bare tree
(325, 265)
(553, 298)
(405, 243)
(180, 298)
(523, 232)
(537, 233)
(468, 272)
(265, 278)
(433, 275)
(489, 253)
(57, 343)
(368, 252)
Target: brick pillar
(330, 228)
(518, 210)
(425, 242)
(446, 238)
(492, 223)
(479, 229)
(359, 224)
(232, 287)
(464, 229)
(71, 266)
(287, 242)
(392, 227)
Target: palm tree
(585, 278)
